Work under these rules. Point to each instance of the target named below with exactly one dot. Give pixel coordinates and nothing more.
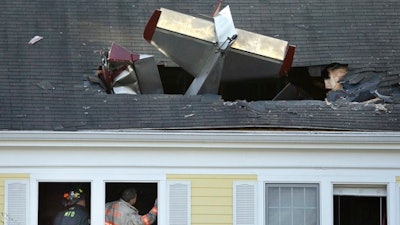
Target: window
(51, 198)
(361, 204)
(146, 194)
(292, 204)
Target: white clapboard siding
(179, 202)
(16, 202)
(244, 203)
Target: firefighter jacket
(74, 215)
(122, 213)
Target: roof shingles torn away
(101, 111)
(44, 85)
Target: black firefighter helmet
(73, 196)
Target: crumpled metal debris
(124, 72)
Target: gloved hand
(154, 210)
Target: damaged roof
(43, 84)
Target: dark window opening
(51, 197)
(359, 210)
(146, 194)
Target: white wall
(326, 158)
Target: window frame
(392, 194)
(396, 204)
(293, 185)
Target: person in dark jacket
(75, 212)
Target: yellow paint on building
(212, 196)
(3, 178)
(398, 179)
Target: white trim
(360, 191)
(326, 200)
(202, 150)
(396, 211)
(34, 200)
(204, 139)
(261, 204)
(98, 192)
(392, 201)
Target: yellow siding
(211, 196)
(205, 191)
(398, 179)
(212, 219)
(4, 177)
(212, 210)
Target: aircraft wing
(188, 41)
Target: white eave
(233, 140)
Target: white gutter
(204, 139)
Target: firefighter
(123, 212)
(75, 212)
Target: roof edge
(205, 139)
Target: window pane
(298, 215)
(273, 218)
(298, 197)
(286, 197)
(273, 196)
(311, 197)
(286, 216)
(311, 216)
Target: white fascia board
(204, 139)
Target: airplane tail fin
(224, 28)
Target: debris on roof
(223, 52)
(123, 72)
(35, 39)
(368, 85)
(46, 85)
(336, 72)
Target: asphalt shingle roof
(43, 86)
(57, 111)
